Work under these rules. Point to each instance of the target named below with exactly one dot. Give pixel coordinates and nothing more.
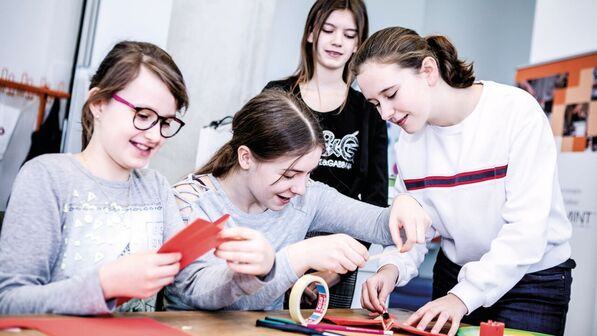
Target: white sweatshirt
(490, 185)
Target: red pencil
(321, 327)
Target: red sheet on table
(377, 324)
(93, 326)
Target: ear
(310, 37)
(430, 70)
(96, 106)
(245, 157)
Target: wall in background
(495, 35)
(221, 48)
(563, 29)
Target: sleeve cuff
(470, 295)
(97, 302)
(250, 284)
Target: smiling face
(337, 41)
(274, 183)
(401, 95)
(115, 138)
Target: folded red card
(192, 242)
(377, 323)
(195, 240)
(93, 326)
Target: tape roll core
(323, 299)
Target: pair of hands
(447, 308)
(143, 274)
(340, 253)
(247, 251)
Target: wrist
(407, 195)
(390, 271)
(298, 263)
(462, 305)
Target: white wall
(221, 48)
(563, 28)
(113, 21)
(495, 35)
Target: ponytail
(221, 162)
(454, 71)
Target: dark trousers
(538, 302)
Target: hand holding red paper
(139, 275)
(195, 240)
(246, 251)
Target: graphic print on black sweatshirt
(339, 153)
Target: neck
(100, 164)
(326, 79)
(452, 105)
(236, 189)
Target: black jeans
(538, 302)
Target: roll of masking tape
(323, 299)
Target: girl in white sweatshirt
(481, 159)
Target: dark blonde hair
(272, 124)
(121, 66)
(403, 46)
(319, 12)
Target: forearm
(212, 285)
(341, 214)
(80, 295)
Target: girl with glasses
(355, 157)
(261, 177)
(481, 158)
(82, 229)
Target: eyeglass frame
(159, 120)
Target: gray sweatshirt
(63, 223)
(208, 283)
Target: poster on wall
(567, 92)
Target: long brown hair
(272, 124)
(319, 12)
(121, 66)
(403, 46)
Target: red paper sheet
(360, 322)
(195, 240)
(93, 326)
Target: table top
(226, 322)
